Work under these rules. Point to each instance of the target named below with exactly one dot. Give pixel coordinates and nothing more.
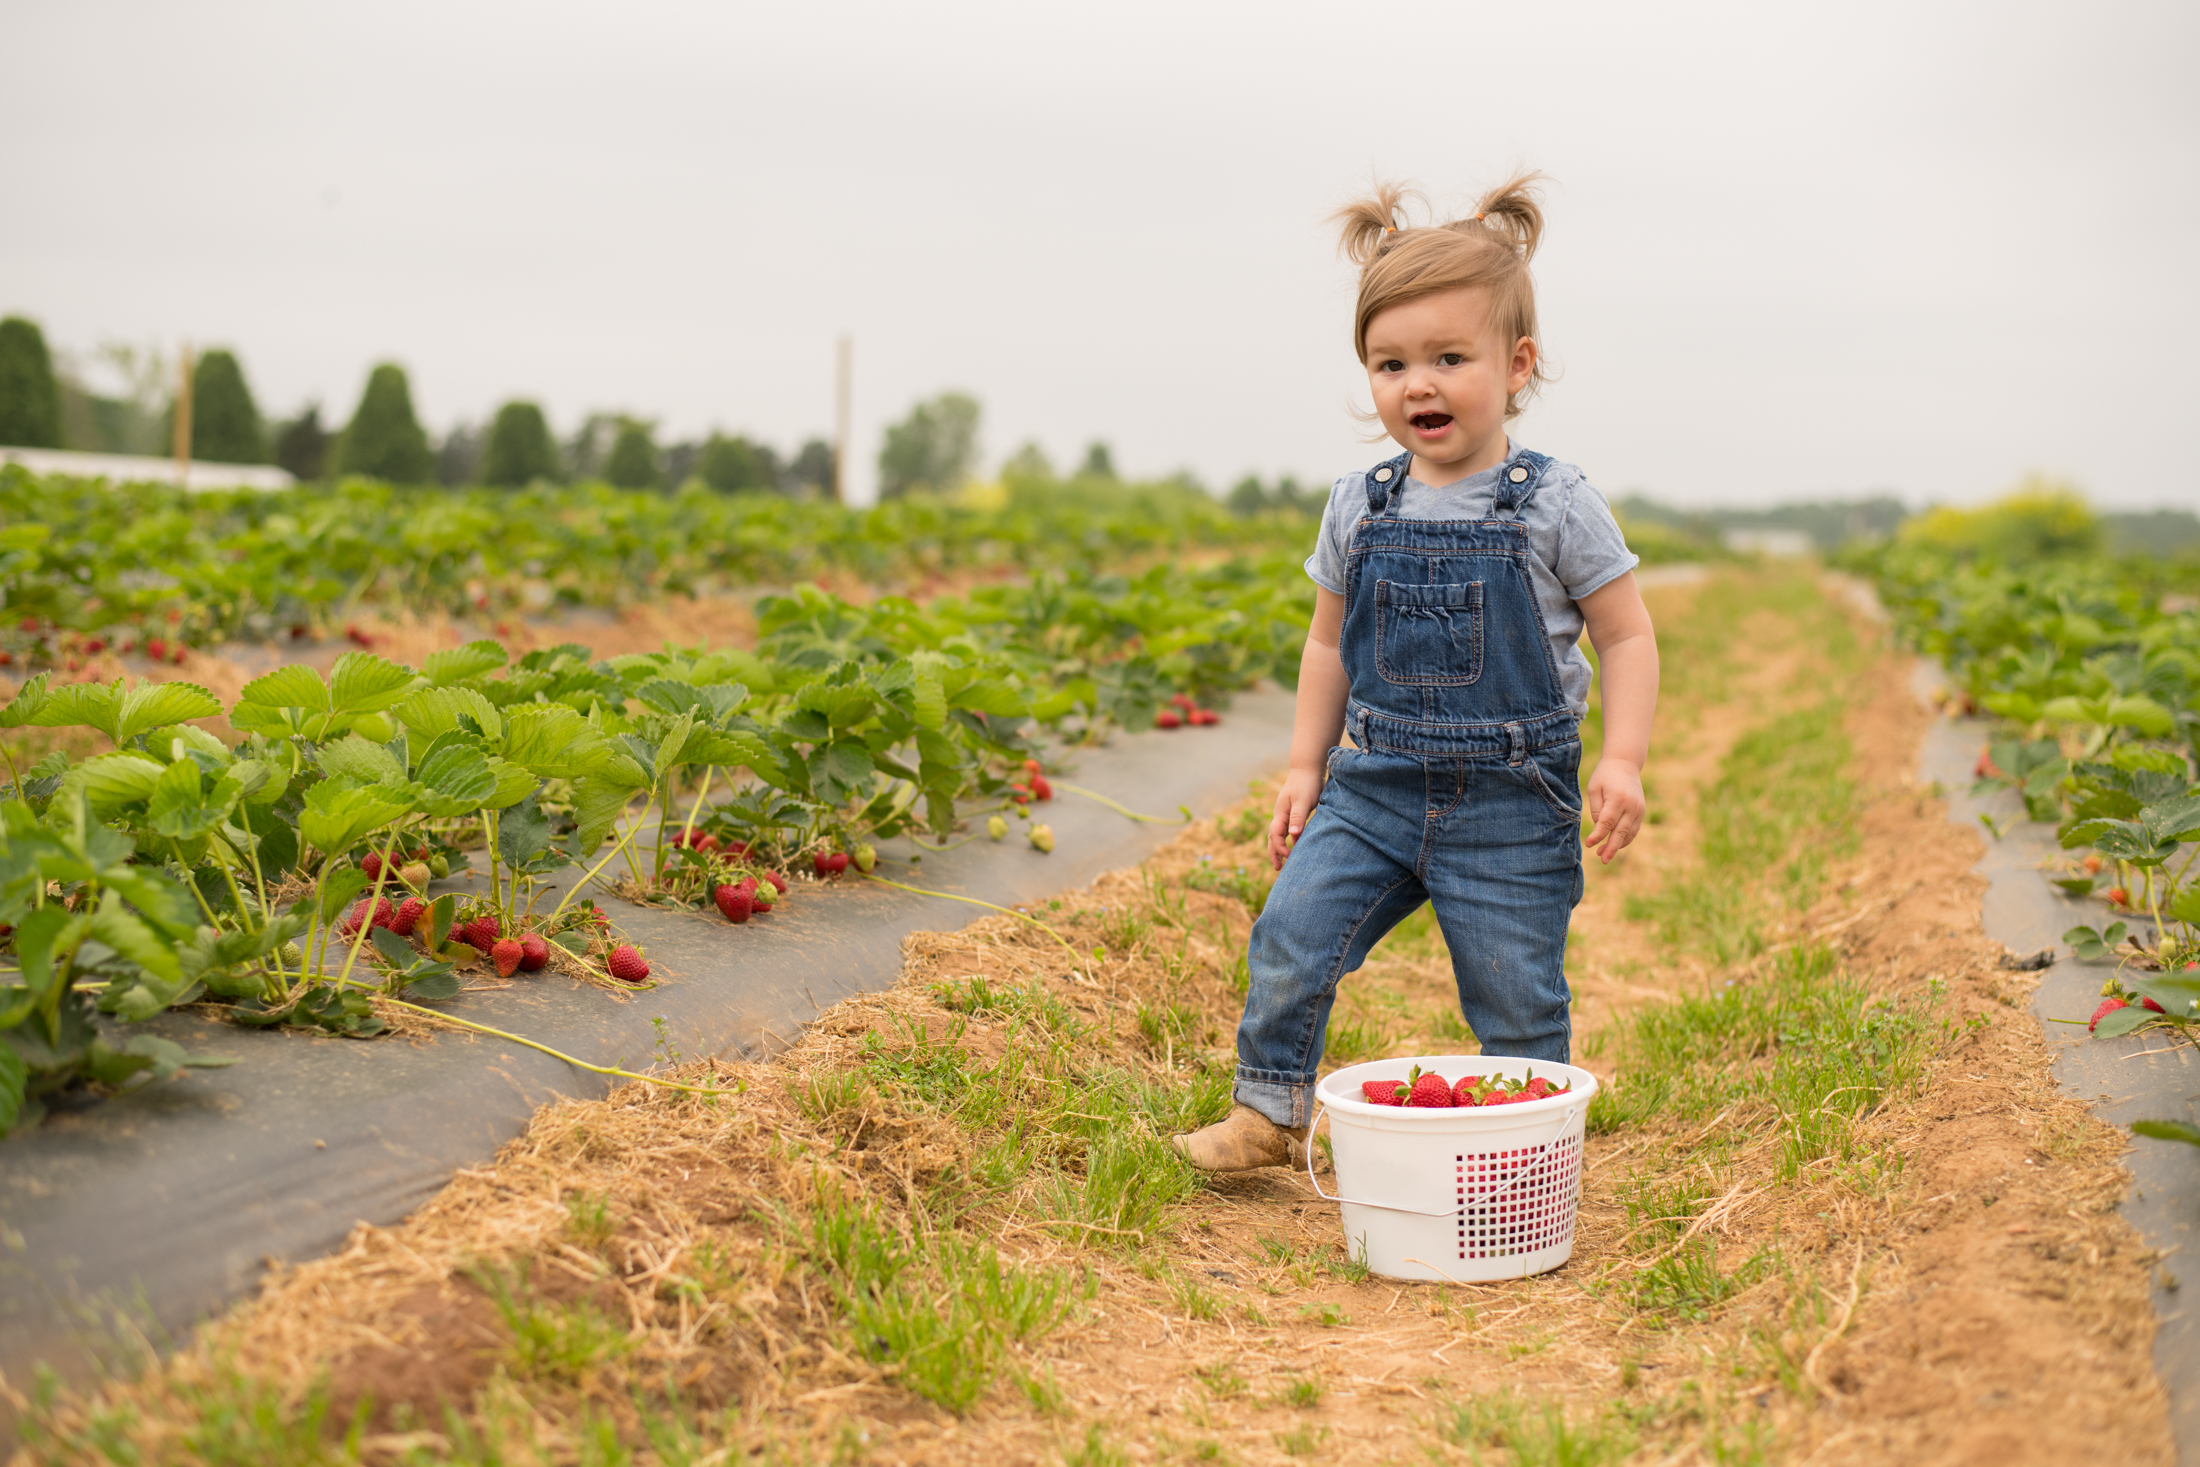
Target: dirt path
(1931, 1273)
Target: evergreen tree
(633, 460)
(385, 440)
(1099, 463)
(934, 447)
(520, 448)
(301, 447)
(1029, 463)
(225, 422)
(458, 460)
(1248, 498)
(732, 465)
(30, 399)
(812, 469)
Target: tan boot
(1241, 1141)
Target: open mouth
(1431, 422)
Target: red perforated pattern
(1519, 1201)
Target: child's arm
(1627, 662)
(1317, 725)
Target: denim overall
(1460, 789)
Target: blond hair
(1490, 251)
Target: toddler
(1455, 581)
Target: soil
(1980, 1302)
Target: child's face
(1440, 377)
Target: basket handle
(1564, 1117)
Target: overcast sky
(1793, 250)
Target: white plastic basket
(1463, 1195)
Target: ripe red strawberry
(779, 883)
(626, 964)
(737, 848)
(1181, 700)
(2118, 897)
(157, 648)
(1986, 768)
(1431, 1090)
(384, 915)
(836, 863)
(506, 955)
(534, 953)
(2092, 862)
(1537, 1086)
(820, 863)
(1462, 1094)
(2108, 1006)
(409, 913)
(1382, 1092)
(371, 863)
(706, 843)
(1019, 794)
(482, 933)
(1040, 789)
(1031, 766)
(734, 904)
(1168, 718)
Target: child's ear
(1523, 363)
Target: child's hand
(1616, 804)
(1294, 802)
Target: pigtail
(1514, 209)
(1370, 222)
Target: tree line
(934, 449)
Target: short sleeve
(1325, 567)
(1591, 550)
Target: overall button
(1382, 475)
(1519, 474)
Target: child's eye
(1393, 365)
(1451, 359)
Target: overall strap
(1384, 481)
(1517, 480)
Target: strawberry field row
(280, 870)
(2092, 668)
(83, 559)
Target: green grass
(939, 1309)
(550, 1341)
(1531, 1433)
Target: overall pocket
(1428, 635)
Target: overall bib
(1460, 789)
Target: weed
(1221, 1379)
(1043, 1391)
(1095, 1451)
(1687, 1285)
(550, 1341)
(827, 1096)
(1328, 1315)
(1196, 1302)
(1302, 1440)
(1536, 1434)
(1350, 1041)
(589, 1218)
(1305, 1393)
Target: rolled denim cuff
(1284, 1099)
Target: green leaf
(432, 987)
(334, 819)
(436, 711)
(23, 708)
(361, 761)
(111, 781)
(458, 776)
(81, 705)
(513, 784)
(287, 687)
(523, 833)
(928, 702)
(338, 887)
(2184, 1131)
(2128, 840)
(597, 804)
(364, 683)
(2144, 714)
(459, 664)
(149, 705)
(840, 769)
(36, 938)
(182, 810)
(126, 932)
(554, 741)
(991, 696)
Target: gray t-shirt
(1576, 544)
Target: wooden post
(183, 421)
(843, 389)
